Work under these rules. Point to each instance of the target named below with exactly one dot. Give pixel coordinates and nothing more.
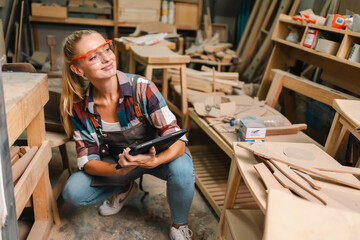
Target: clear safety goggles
(95, 55)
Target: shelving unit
(336, 69)
(112, 22)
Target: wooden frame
(346, 120)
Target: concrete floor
(139, 219)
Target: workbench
(212, 167)
(25, 97)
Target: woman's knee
(77, 189)
(182, 170)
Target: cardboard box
(216, 106)
(138, 11)
(251, 129)
(39, 10)
(327, 46)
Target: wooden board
(244, 224)
(289, 217)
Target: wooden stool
(162, 58)
(347, 119)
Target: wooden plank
(292, 185)
(307, 178)
(325, 223)
(261, 150)
(26, 184)
(275, 90)
(253, 37)
(218, 47)
(40, 230)
(249, 25)
(245, 224)
(292, 129)
(260, 55)
(268, 179)
(325, 199)
(19, 167)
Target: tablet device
(160, 143)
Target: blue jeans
(178, 174)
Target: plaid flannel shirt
(88, 144)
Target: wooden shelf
(78, 21)
(319, 54)
(335, 69)
(114, 23)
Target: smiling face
(96, 59)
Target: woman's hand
(148, 160)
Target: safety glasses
(94, 55)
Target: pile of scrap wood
(207, 80)
(210, 50)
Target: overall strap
(140, 116)
(96, 124)
(137, 108)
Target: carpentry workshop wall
(226, 12)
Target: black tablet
(160, 143)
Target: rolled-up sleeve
(87, 146)
(159, 112)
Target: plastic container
(171, 12)
(164, 11)
(272, 121)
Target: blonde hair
(72, 84)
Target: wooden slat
(26, 184)
(213, 185)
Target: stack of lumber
(255, 45)
(212, 51)
(207, 80)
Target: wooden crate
(139, 10)
(39, 10)
(186, 15)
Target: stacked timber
(208, 80)
(212, 51)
